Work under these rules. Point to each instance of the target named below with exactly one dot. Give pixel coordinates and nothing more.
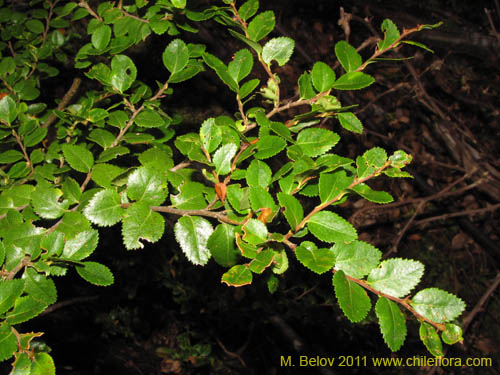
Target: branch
(64, 102)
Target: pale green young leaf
(391, 34)
(175, 56)
(330, 227)
(357, 258)
(280, 261)
(353, 81)
(437, 305)
(78, 157)
(104, 209)
(350, 122)
(452, 334)
(222, 245)
(238, 275)
(39, 286)
(263, 260)
(192, 234)
(396, 277)
(82, 245)
(25, 309)
(8, 342)
(241, 65)
(45, 201)
(269, 145)
(95, 273)
(375, 157)
(101, 37)
(223, 157)
(190, 197)
(8, 109)
(10, 290)
(210, 135)
(392, 323)
(248, 9)
(145, 184)
(279, 49)
(317, 260)
(123, 72)
(347, 55)
(352, 298)
(179, 3)
(372, 195)
(316, 141)
(322, 76)
(431, 339)
(255, 232)
(332, 185)
(258, 174)
(149, 118)
(261, 25)
(141, 223)
(42, 364)
(399, 159)
(294, 213)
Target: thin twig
(480, 304)
(64, 102)
(458, 214)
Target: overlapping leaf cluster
(116, 158)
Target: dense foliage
(253, 191)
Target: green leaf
(223, 157)
(352, 298)
(8, 342)
(263, 260)
(104, 209)
(247, 250)
(254, 45)
(248, 9)
(82, 245)
(10, 156)
(350, 122)
(25, 309)
(392, 323)
(8, 109)
(255, 232)
(210, 135)
(220, 68)
(101, 37)
(175, 56)
(141, 223)
(149, 119)
(294, 213)
(417, 44)
(145, 184)
(330, 227)
(190, 197)
(375, 157)
(222, 246)
(42, 364)
(123, 72)
(347, 55)
(35, 26)
(391, 34)
(272, 284)
(396, 172)
(95, 273)
(431, 339)
(452, 334)
(332, 185)
(104, 174)
(35, 137)
(353, 81)
(322, 76)
(399, 159)
(280, 261)
(306, 86)
(237, 276)
(372, 195)
(396, 277)
(269, 145)
(316, 141)
(261, 198)
(73, 223)
(317, 260)
(437, 305)
(192, 234)
(45, 201)
(78, 157)
(10, 290)
(179, 3)
(261, 25)
(278, 49)
(258, 174)
(248, 87)
(357, 258)
(39, 286)
(241, 66)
